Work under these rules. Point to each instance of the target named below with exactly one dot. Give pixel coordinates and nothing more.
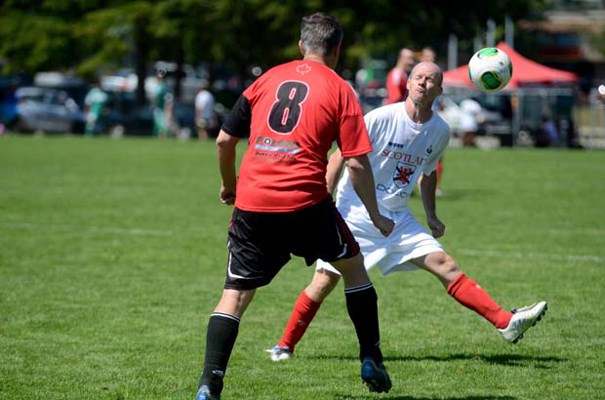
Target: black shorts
(261, 243)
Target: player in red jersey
(291, 116)
(397, 78)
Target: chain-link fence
(591, 121)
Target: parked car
(8, 101)
(46, 110)
(125, 117)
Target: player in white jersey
(407, 139)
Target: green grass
(112, 257)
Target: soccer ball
(490, 69)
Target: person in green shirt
(95, 107)
(159, 103)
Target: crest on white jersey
(403, 173)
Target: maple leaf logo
(303, 69)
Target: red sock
(472, 296)
(302, 314)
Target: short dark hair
(320, 33)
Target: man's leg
(304, 310)
(221, 334)
(89, 129)
(362, 306)
(472, 296)
(512, 325)
(463, 289)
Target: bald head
(429, 68)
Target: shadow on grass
(515, 360)
(387, 397)
(498, 359)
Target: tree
(35, 40)
(112, 33)
(91, 35)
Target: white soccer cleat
(523, 319)
(279, 353)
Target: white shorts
(409, 240)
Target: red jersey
(397, 81)
(295, 112)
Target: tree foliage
(93, 36)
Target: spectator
(96, 109)
(205, 116)
(159, 105)
(469, 121)
(428, 54)
(548, 135)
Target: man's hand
(227, 195)
(385, 225)
(437, 227)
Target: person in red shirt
(291, 116)
(397, 78)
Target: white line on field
(158, 232)
(534, 256)
(95, 229)
(589, 232)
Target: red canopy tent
(525, 73)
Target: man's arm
(225, 149)
(428, 185)
(362, 179)
(334, 170)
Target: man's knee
(352, 270)
(444, 266)
(235, 302)
(322, 284)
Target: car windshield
(35, 97)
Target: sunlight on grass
(112, 257)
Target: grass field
(112, 257)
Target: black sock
(220, 337)
(362, 305)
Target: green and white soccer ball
(490, 69)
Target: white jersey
(402, 150)
(204, 101)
